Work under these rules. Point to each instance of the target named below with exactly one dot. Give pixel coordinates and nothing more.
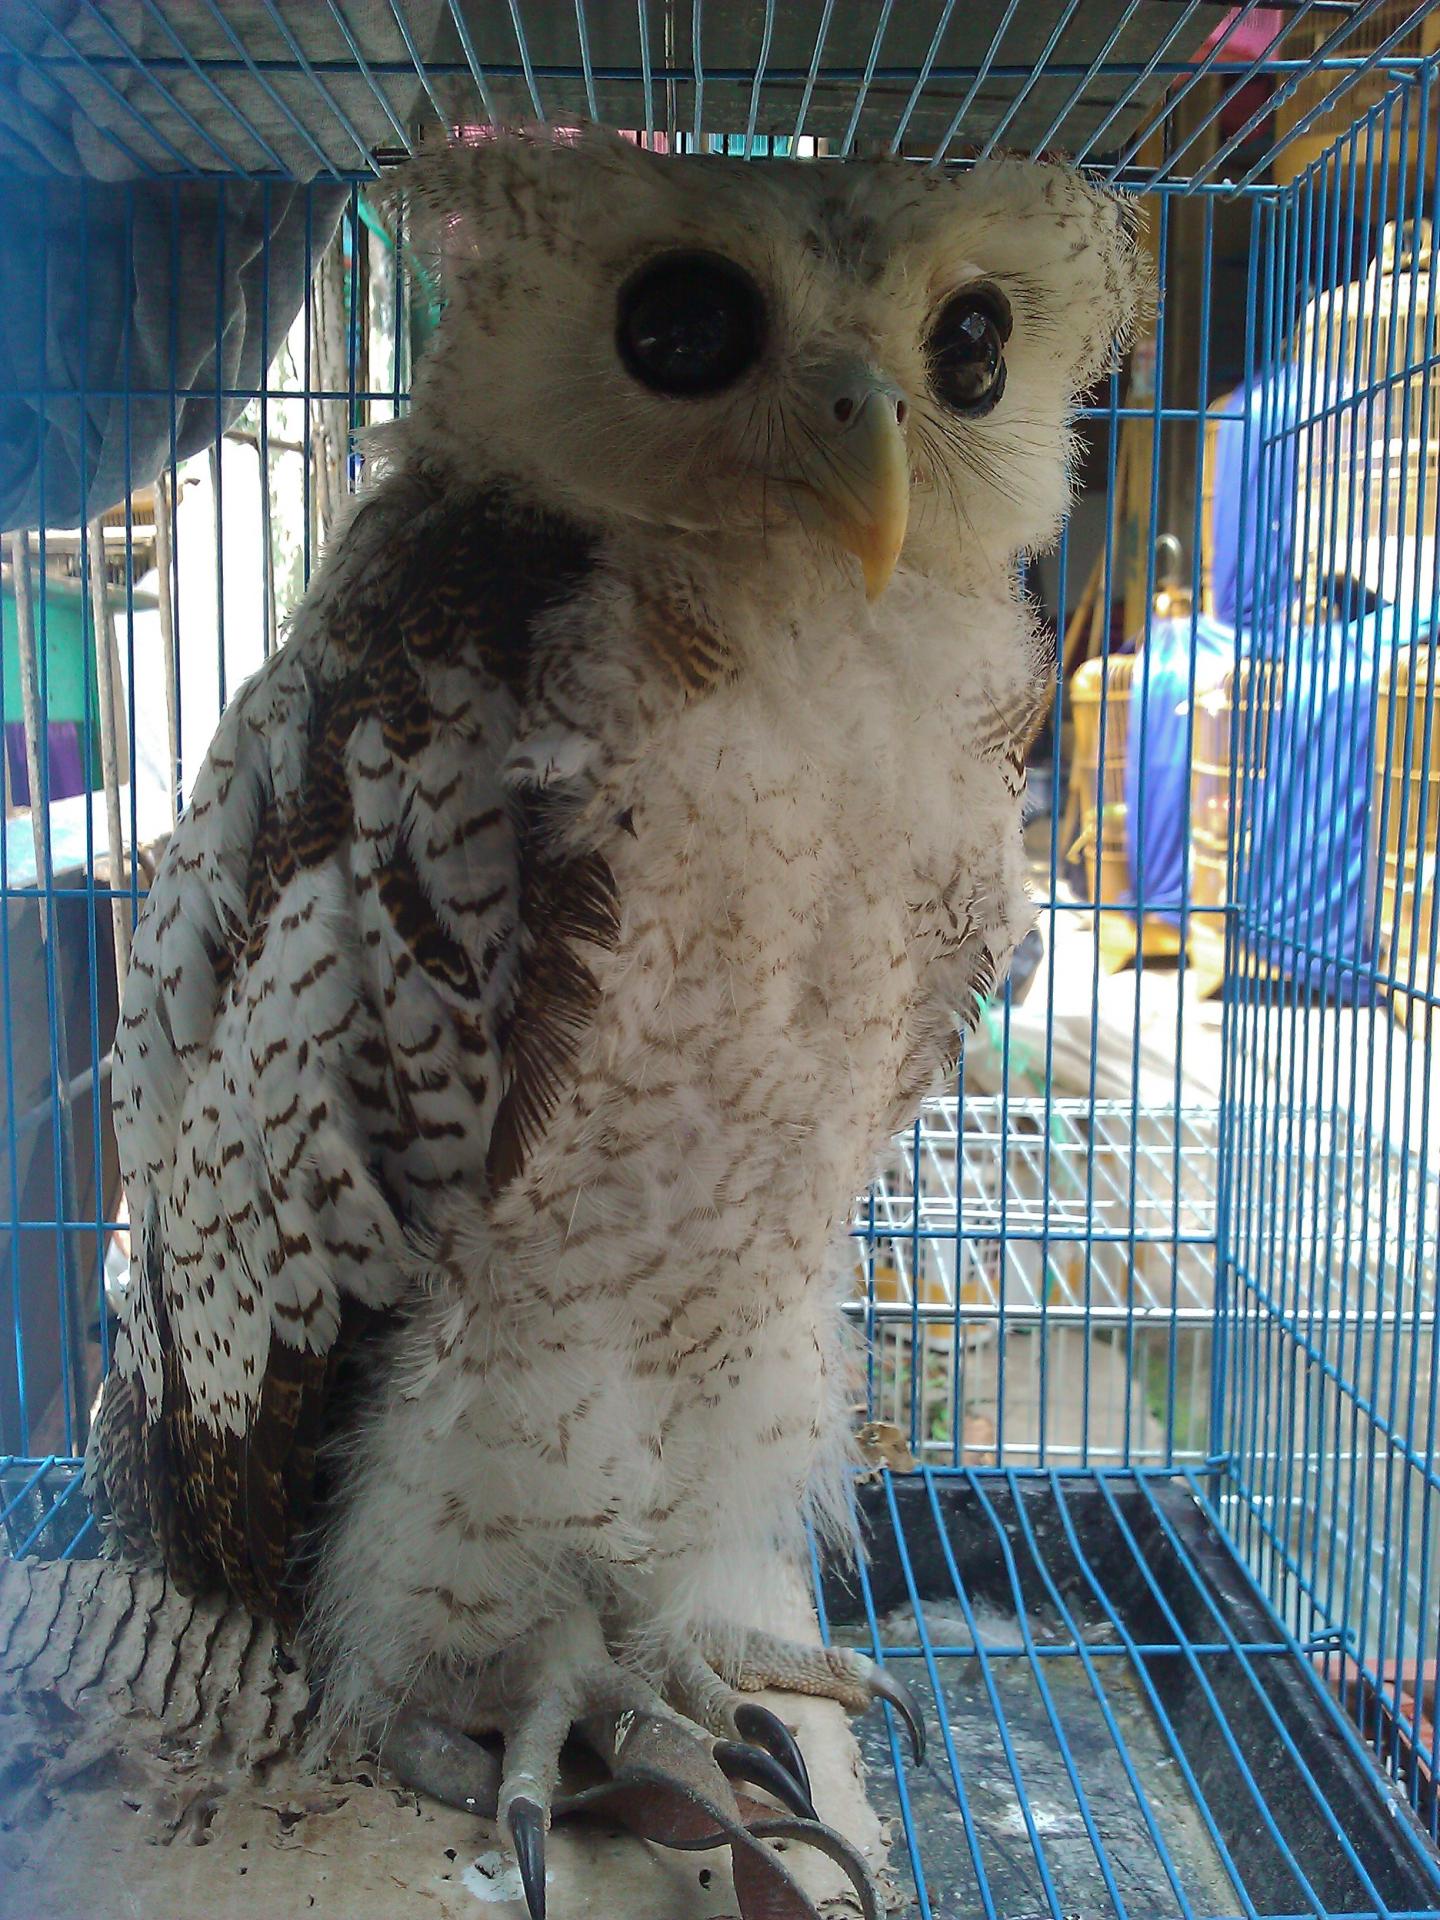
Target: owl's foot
(666, 1787)
(788, 1666)
(665, 1777)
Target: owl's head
(872, 358)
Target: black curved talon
(762, 1729)
(811, 1833)
(885, 1686)
(527, 1835)
(759, 1768)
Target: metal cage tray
(1127, 1727)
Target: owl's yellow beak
(858, 469)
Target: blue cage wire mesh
(1150, 1293)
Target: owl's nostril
(844, 407)
(900, 412)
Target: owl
(563, 921)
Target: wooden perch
(147, 1768)
(164, 562)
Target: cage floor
(1119, 1722)
(43, 1510)
(1125, 1725)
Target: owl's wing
(355, 985)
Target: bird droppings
(1001, 1821)
(494, 1876)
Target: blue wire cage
(1150, 1292)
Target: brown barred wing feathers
(353, 962)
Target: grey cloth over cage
(132, 273)
(132, 312)
(289, 88)
(304, 87)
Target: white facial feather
(531, 239)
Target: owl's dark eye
(966, 350)
(690, 324)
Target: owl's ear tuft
(487, 189)
(438, 205)
(1075, 254)
(1118, 273)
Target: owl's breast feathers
(367, 987)
(360, 979)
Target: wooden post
(267, 538)
(165, 564)
(106, 678)
(67, 1254)
(331, 415)
(360, 319)
(1134, 507)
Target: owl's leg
(669, 1781)
(664, 1787)
(712, 1702)
(766, 1661)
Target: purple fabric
(1253, 474)
(1157, 753)
(67, 761)
(1306, 885)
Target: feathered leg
(670, 1777)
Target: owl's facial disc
(690, 325)
(854, 478)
